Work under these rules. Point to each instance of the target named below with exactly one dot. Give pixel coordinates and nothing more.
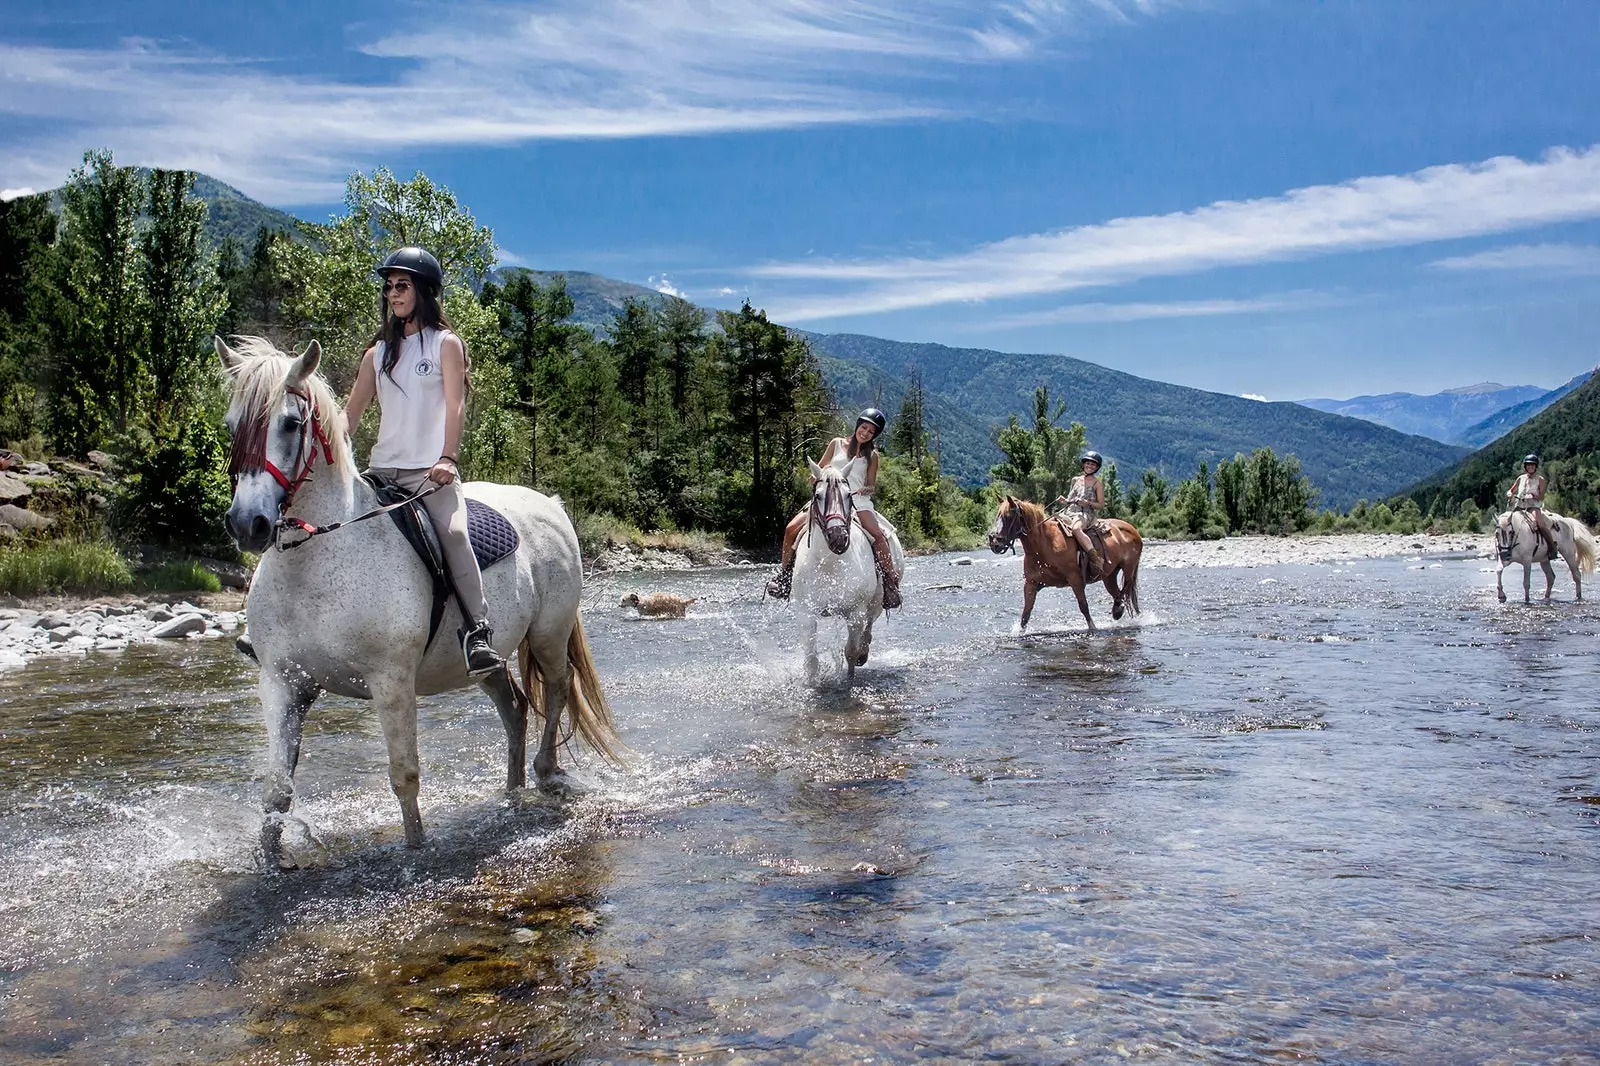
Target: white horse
(348, 612)
(1519, 542)
(836, 574)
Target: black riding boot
(779, 587)
(481, 656)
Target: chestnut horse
(1050, 556)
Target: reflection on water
(1329, 813)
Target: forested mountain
(1444, 416)
(1141, 423)
(1566, 436)
(1504, 421)
(596, 299)
(230, 213)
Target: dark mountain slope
(1140, 423)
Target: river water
(1344, 814)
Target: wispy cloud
(1252, 396)
(1439, 203)
(12, 194)
(505, 71)
(1089, 313)
(1533, 258)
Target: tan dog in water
(659, 604)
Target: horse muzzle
(251, 532)
(998, 544)
(837, 534)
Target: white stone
(181, 626)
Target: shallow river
(1344, 814)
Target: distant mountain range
(1138, 423)
(1444, 416)
(1507, 419)
(1568, 429)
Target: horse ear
(816, 471)
(306, 365)
(230, 358)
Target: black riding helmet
(875, 416)
(418, 262)
(1526, 459)
(1093, 457)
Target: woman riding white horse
(417, 369)
(835, 565)
(863, 444)
(348, 612)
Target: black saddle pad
(493, 538)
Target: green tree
(1040, 462)
(539, 343)
(636, 342)
(28, 303)
(777, 401)
(683, 341)
(909, 435)
(97, 361)
(182, 295)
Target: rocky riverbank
(66, 629)
(1274, 551)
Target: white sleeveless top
(411, 431)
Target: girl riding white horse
(348, 612)
(1519, 541)
(836, 572)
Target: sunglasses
(402, 285)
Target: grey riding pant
(448, 509)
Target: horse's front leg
(1527, 580)
(808, 645)
(1500, 582)
(286, 695)
(396, 701)
(513, 707)
(1549, 579)
(1030, 589)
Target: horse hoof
(1116, 611)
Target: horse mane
(258, 378)
(1033, 512)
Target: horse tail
(586, 702)
(1585, 546)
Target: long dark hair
(855, 447)
(427, 311)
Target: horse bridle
(305, 455)
(820, 518)
(1013, 526)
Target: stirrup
(479, 653)
(781, 584)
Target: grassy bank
(92, 568)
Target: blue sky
(1254, 196)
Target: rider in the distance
(862, 442)
(1084, 499)
(1527, 495)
